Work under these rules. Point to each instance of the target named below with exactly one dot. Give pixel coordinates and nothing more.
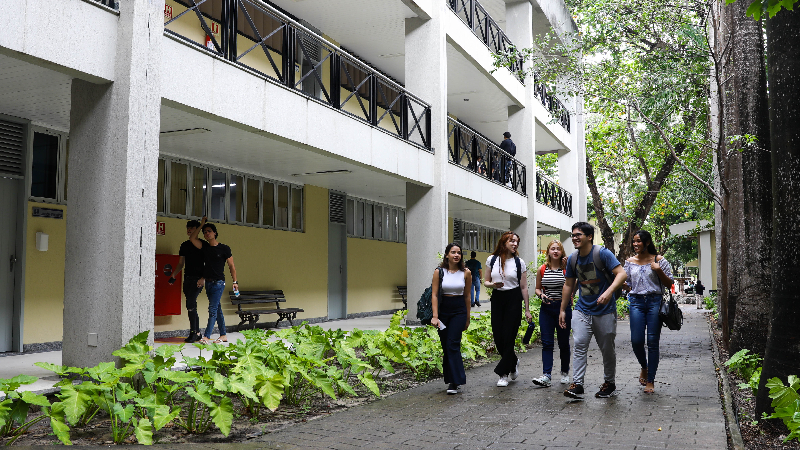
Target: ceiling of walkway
(35, 93)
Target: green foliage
(759, 7)
(748, 366)
(786, 404)
(710, 302)
(623, 307)
(14, 408)
(548, 165)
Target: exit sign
(161, 228)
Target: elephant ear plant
(14, 408)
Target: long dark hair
(446, 264)
(647, 240)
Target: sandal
(650, 389)
(643, 377)
(219, 340)
(205, 341)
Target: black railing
(256, 36)
(550, 194)
(472, 151)
(113, 4)
(481, 23)
(552, 104)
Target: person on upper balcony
(508, 145)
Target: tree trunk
(751, 217)
(782, 356)
(605, 230)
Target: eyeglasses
(577, 235)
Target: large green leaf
(239, 384)
(369, 382)
(75, 403)
(19, 412)
(202, 394)
(12, 384)
(34, 399)
(782, 396)
(163, 416)
(124, 414)
(57, 423)
(143, 431)
(222, 415)
(271, 391)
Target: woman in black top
(215, 256)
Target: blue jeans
(548, 326)
(475, 291)
(644, 314)
(214, 290)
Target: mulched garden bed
(99, 431)
(761, 436)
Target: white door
(337, 271)
(8, 259)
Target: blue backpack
(425, 302)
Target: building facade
(338, 146)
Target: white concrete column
(426, 207)
(566, 239)
(704, 259)
(113, 168)
(522, 126)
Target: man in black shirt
(192, 261)
(215, 256)
(509, 147)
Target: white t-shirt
(509, 274)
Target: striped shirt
(552, 282)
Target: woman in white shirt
(506, 274)
(451, 313)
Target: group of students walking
(597, 276)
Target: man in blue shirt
(596, 310)
(475, 267)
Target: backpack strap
(600, 265)
(519, 269)
(541, 270)
(491, 263)
(572, 263)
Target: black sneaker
(607, 390)
(452, 388)
(193, 337)
(477, 303)
(574, 391)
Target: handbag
(669, 313)
(425, 302)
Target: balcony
(550, 194)
(472, 151)
(552, 104)
(474, 15)
(257, 37)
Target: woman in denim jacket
(648, 275)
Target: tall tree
(750, 207)
(782, 355)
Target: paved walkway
(686, 408)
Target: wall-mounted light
(41, 241)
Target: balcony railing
(481, 23)
(550, 194)
(113, 4)
(472, 151)
(256, 36)
(552, 104)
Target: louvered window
(337, 208)
(11, 138)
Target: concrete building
(338, 144)
(703, 231)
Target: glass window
(199, 191)
(44, 176)
(251, 201)
(368, 224)
(297, 208)
(218, 181)
(350, 217)
(236, 199)
(401, 226)
(387, 223)
(160, 186)
(268, 204)
(283, 207)
(360, 219)
(66, 169)
(178, 188)
(378, 214)
(393, 221)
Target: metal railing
(550, 194)
(472, 151)
(113, 4)
(255, 35)
(552, 104)
(474, 15)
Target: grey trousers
(604, 328)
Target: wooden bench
(262, 298)
(403, 290)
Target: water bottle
(236, 290)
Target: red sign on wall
(161, 228)
(167, 12)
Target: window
(477, 237)
(45, 160)
(253, 187)
(369, 220)
(233, 197)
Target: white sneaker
(515, 373)
(452, 389)
(543, 381)
(564, 378)
(503, 381)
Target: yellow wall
(44, 278)
(374, 270)
(266, 259)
